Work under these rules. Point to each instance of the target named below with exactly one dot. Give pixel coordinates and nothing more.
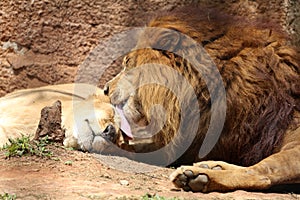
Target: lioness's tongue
(125, 127)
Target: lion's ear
(168, 40)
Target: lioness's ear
(168, 40)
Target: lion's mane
(260, 72)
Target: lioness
(259, 145)
(90, 121)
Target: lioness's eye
(107, 121)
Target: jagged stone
(50, 124)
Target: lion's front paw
(201, 177)
(219, 176)
(189, 178)
(204, 176)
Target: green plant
(41, 147)
(23, 146)
(157, 197)
(7, 196)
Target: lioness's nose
(110, 133)
(109, 130)
(106, 89)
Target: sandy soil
(70, 174)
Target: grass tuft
(157, 197)
(24, 146)
(7, 196)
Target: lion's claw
(205, 166)
(217, 168)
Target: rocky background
(45, 41)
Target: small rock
(69, 162)
(124, 182)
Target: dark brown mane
(212, 22)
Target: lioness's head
(94, 125)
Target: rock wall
(44, 41)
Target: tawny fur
(85, 111)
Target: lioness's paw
(189, 179)
(70, 142)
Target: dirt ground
(70, 174)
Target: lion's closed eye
(169, 41)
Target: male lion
(90, 121)
(260, 73)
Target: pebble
(124, 182)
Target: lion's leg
(280, 168)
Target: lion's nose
(106, 89)
(110, 133)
